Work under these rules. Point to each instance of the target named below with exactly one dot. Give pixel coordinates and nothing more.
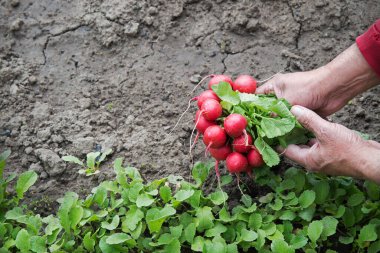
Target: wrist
(346, 76)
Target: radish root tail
(201, 81)
(245, 137)
(188, 107)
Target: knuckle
(312, 164)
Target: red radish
(211, 109)
(201, 123)
(245, 83)
(220, 154)
(215, 80)
(236, 162)
(243, 143)
(214, 137)
(235, 124)
(208, 94)
(255, 159)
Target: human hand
(327, 89)
(303, 88)
(336, 149)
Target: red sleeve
(369, 46)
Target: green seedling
(92, 162)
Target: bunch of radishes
(226, 137)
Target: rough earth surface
(78, 74)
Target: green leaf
(205, 218)
(280, 246)
(182, 195)
(67, 204)
(75, 216)
(88, 242)
(274, 127)
(298, 241)
(72, 159)
(255, 221)
(173, 247)
(104, 155)
(277, 205)
(248, 235)
(270, 156)
(225, 92)
(322, 191)
(91, 157)
(373, 190)
(38, 244)
(308, 213)
(281, 109)
(348, 217)
(346, 239)
(329, 225)
(218, 229)
(113, 224)
(23, 240)
(306, 198)
(107, 248)
(232, 248)
(374, 247)
(247, 200)
(3, 158)
(200, 172)
(356, 199)
(144, 200)
(117, 238)
(368, 233)
(288, 215)
(189, 232)
(262, 102)
(198, 243)
(314, 230)
(218, 197)
(133, 217)
(165, 193)
(24, 182)
(156, 217)
(15, 214)
(176, 231)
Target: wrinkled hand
(336, 149)
(305, 89)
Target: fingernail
(280, 149)
(296, 111)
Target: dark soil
(76, 74)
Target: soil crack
(52, 35)
(299, 32)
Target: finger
(374, 143)
(266, 88)
(311, 121)
(312, 142)
(298, 154)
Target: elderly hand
(327, 89)
(336, 149)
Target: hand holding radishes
(241, 127)
(336, 149)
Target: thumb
(311, 121)
(266, 88)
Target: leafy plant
(270, 121)
(299, 212)
(92, 162)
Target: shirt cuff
(369, 45)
